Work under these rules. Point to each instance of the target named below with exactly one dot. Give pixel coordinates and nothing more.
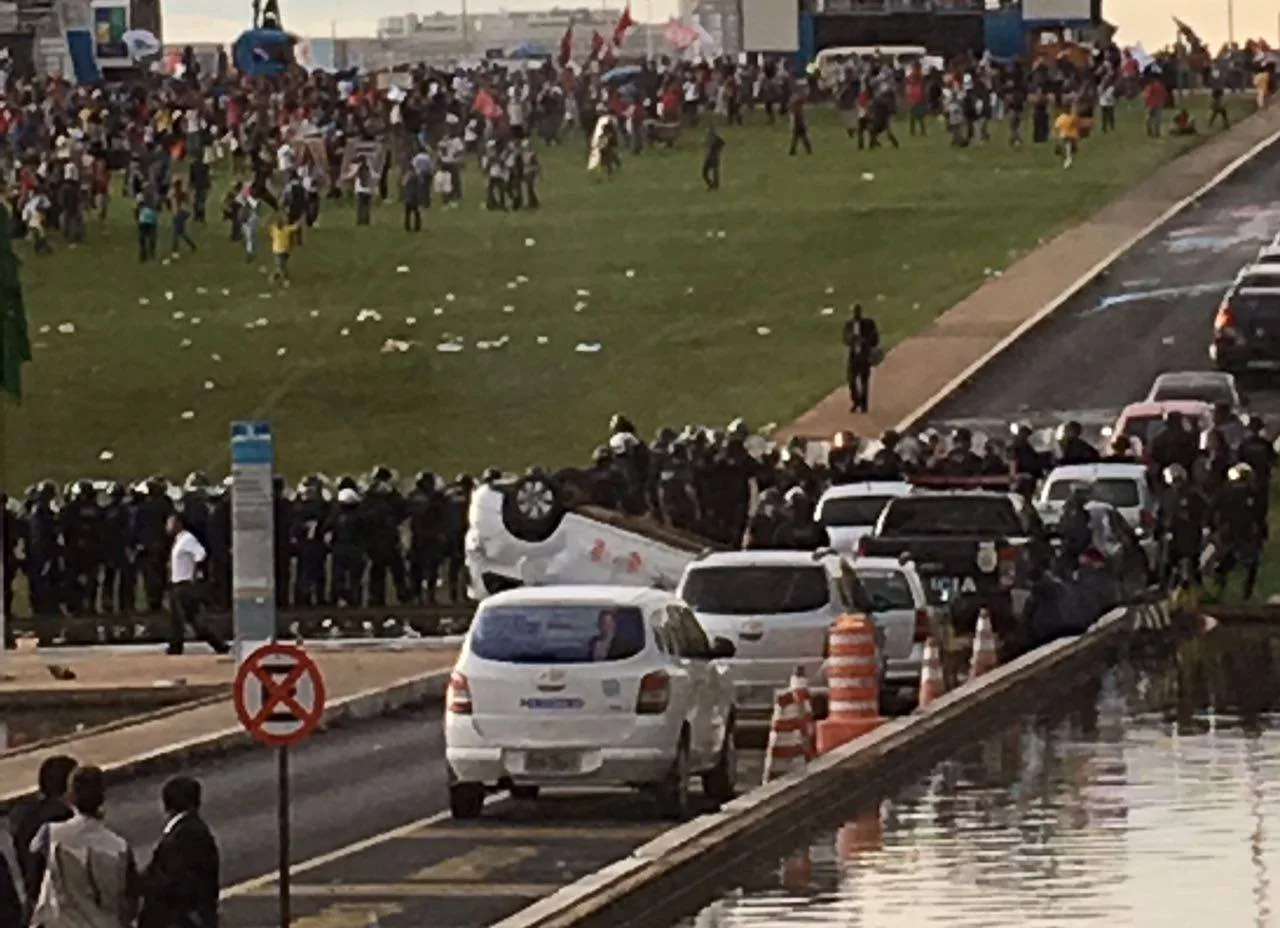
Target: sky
(1146, 21)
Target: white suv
(776, 608)
(589, 686)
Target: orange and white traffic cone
(984, 657)
(786, 752)
(932, 682)
(799, 687)
(853, 683)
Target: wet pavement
(1149, 798)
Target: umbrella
(622, 75)
(141, 44)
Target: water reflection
(1148, 799)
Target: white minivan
(589, 686)
(775, 607)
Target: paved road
(1153, 312)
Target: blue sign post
(253, 574)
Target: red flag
(486, 106)
(597, 44)
(566, 46)
(625, 22)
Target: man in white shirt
(185, 558)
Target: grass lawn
(681, 283)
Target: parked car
(589, 685)
(1246, 330)
(902, 610)
(1212, 387)
(1268, 255)
(776, 608)
(1127, 487)
(849, 511)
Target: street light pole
(1231, 22)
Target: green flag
(15, 346)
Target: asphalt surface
(371, 833)
(1151, 313)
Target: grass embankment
(676, 285)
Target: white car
(589, 686)
(902, 611)
(1210, 387)
(775, 607)
(522, 533)
(849, 511)
(1127, 487)
(1268, 255)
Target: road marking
(536, 833)
(413, 890)
(250, 887)
(348, 915)
(475, 865)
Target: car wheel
(466, 800)
(720, 782)
(524, 793)
(673, 791)
(533, 508)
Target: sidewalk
(358, 685)
(922, 366)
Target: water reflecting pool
(19, 727)
(1149, 798)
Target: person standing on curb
(185, 558)
(180, 884)
(862, 339)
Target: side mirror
(722, 649)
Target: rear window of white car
(576, 634)
(845, 511)
(1121, 493)
(888, 589)
(1205, 391)
(756, 590)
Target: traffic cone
(799, 687)
(932, 683)
(786, 752)
(853, 681)
(984, 647)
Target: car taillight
(1225, 319)
(458, 698)
(1008, 567)
(1147, 518)
(655, 693)
(863, 546)
(924, 624)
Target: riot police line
(94, 548)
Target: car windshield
(1205, 391)
(756, 590)
(568, 634)
(888, 589)
(950, 515)
(1254, 309)
(846, 511)
(1119, 492)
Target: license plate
(552, 761)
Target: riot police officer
(44, 551)
(457, 510)
(1183, 513)
(765, 526)
(887, 463)
(193, 504)
(281, 549)
(1026, 459)
(428, 525)
(82, 525)
(960, 460)
(151, 515)
(218, 532)
(605, 485)
(310, 513)
(799, 529)
(1238, 529)
(345, 535)
(383, 509)
(1072, 448)
(1174, 444)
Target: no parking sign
(279, 694)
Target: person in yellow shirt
(1262, 86)
(1067, 127)
(282, 237)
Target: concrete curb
(1081, 282)
(425, 689)
(630, 890)
(145, 699)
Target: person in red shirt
(1154, 96)
(915, 99)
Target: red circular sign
(279, 694)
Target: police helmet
(1069, 430)
(620, 423)
(115, 490)
(665, 436)
(771, 497)
(346, 482)
(1021, 430)
(425, 480)
(796, 496)
(1240, 473)
(196, 480)
(621, 443)
(47, 490)
(1175, 474)
(465, 480)
(491, 475)
(84, 489)
(844, 440)
(602, 455)
(381, 474)
(348, 496)
(890, 439)
(961, 437)
(738, 430)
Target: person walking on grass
(711, 161)
(862, 339)
(365, 185)
(179, 203)
(1154, 96)
(799, 124)
(283, 235)
(1067, 126)
(411, 184)
(147, 214)
(1218, 105)
(1107, 105)
(248, 212)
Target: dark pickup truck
(972, 549)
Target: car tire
(720, 783)
(466, 800)
(525, 793)
(673, 791)
(532, 508)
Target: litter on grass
(529, 243)
(189, 414)
(106, 455)
(179, 314)
(579, 306)
(168, 295)
(631, 272)
(542, 340)
(315, 314)
(587, 347)
(143, 301)
(410, 320)
(67, 328)
(201, 291)
(185, 343)
(438, 311)
(368, 315)
(344, 332)
(281, 352)
(448, 347)
(215, 358)
(508, 309)
(209, 385)
(402, 269)
(394, 345)
(521, 279)
(582, 291)
(449, 297)
(195, 320)
(763, 330)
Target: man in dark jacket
(30, 816)
(10, 903)
(862, 339)
(180, 885)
